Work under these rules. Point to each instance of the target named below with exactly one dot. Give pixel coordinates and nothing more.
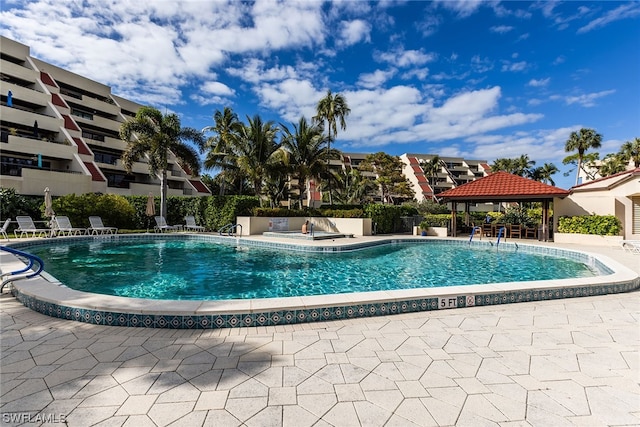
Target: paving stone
(246, 407)
(220, 417)
(211, 400)
(295, 416)
(137, 405)
(165, 413)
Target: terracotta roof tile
(503, 186)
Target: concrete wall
(356, 226)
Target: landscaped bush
(13, 204)
(282, 212)
(223, 210)
(116, 211)
(387, 217)
(435, 220)
(343, 213)
(602, 225)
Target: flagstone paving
(549, 363)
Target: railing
(24, 273)
(473, 232)
(230, 229)
(500, 231)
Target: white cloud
(514, 66)
(429, 25)
(375, 79)
(588, 99)
(501, 29)
(463, 8)
(624, 11)
(539, 82)
(405, 58)
(353, 32)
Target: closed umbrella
(48, 203)
(9, 99)
(151, 209)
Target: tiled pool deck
(49, 297)
(571, 361)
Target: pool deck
(573, 361)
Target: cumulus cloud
(405, 58)
(352, 32)
(375, 79)
(539, 82)
(501, 29)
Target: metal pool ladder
(25, 273)
(231, 229)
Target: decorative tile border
(334, 312)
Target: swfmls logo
(25, 417)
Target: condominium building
(61, 130)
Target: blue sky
(474, 79)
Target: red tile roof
(503, 186)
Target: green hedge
(602, 225)
(435, 220)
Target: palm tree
(431, 169)
(582, 141)
(156, 136)
(220, 153)
(304, 148)
(630, 150)
(254, 149)
(612, 164)
(523, 165)
(543, 173)
(330, 109)
(352, 187)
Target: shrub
(13, 204)
(115, 210)
(602, 225)
(343, 213)
(386, 217)
(435, 220)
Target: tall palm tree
(156, 136)
(431, 169)
(255, 149)
(612, 164)
(220, 146)
(304, 148)
(630, 150)
(332, 109)
(523, 165)
(544, 173)
(582, 141)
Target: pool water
(197, 270)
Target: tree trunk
(163, 193)
(579, 167)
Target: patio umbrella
(48, 203)
(151, 209)
(35, 129)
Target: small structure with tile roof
(503, 187)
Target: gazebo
(503, 187)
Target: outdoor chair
(487, 230)
(162, 226)
(515, 230)
(191, 224)
(530, 232)
(3, 230)
(631, 246)
(97, 227)
(63, 227)
(26, 226)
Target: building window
(81, 114)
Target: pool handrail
(232, 228)
(500, 230)
(22, 273)
(473, 231)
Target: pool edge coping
(53, 298)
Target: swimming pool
(182, 269)
(49, 296)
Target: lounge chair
(97, 227)
(162, 226)
(631, 246)
(63, 227)
(3, 230)
(191, 224)
(26, 226)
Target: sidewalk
(561, 362)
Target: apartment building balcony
(32, 180)
(106, 142)
(34, 146)
(24, 94)
(18, 71)
(26, 118)
(97, 122)
(93, 104)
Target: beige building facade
(617, 195)
(61, 130)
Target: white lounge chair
(162, 226)
(26, 226)
(97, 227)
(191, 224)
(631, 246)
(3, 230)
(63, 227)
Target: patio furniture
(162, 226)
(487, 230)
(3, 230)
(530, 232)
(191, 224)
(26, 226)
(63, 227)
(97, 227)
(631, 246)
(515, 230)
